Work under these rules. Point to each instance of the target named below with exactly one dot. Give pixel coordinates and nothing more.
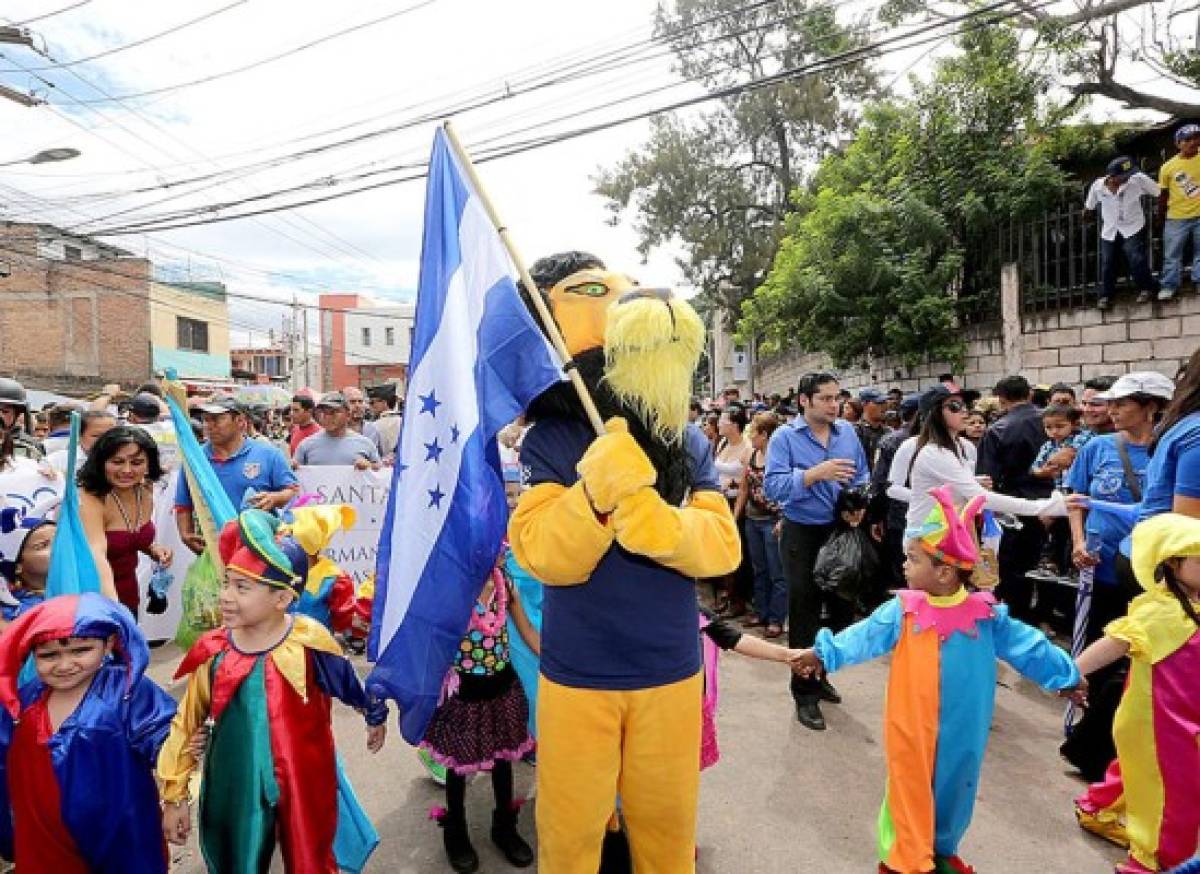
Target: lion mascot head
(637, 350)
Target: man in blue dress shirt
(809, 462)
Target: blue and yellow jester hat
(249, 545)
(948, 535)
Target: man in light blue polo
(809, 462)
(240, 463)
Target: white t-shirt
(1121, 210)
(936, 467)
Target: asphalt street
(782, 798)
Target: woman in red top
(116, 503)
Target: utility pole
(304, 342)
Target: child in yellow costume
(619, 527)
(328, 595)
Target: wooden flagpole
(535, 295)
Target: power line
(46, 15)
(57, 65)
(340, 248)
(561, 75)
(824, 65)
(213, 77)
(93, 267)
(326, 181)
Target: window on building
(389, 336)
(366, 336)
(72, 253)
(192, 334)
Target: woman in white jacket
(940, 455)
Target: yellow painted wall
(167, 303)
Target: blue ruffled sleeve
(148, 719)
(1031, 653)
(336, 676)
(864, 640)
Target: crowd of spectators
(1039, 455)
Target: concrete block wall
(1068, 346)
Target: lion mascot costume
(619, 527)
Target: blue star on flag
(435, 497)
(454, 433)
(433, 451)
(429, 403)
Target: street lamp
(46, 156)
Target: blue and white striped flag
(478, 359)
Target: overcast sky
(427, 56)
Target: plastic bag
(201, 601)
(845, 563)
(160, 583)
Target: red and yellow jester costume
(270, 771)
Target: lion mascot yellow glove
(619, 527)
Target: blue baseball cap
(872, 396)
(1123, 166)
(909, 404)
(1187, 132)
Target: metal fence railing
(1058, 255)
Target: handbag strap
(1131, 480)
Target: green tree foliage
(877, 246)
(716, 183)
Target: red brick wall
(71, 323)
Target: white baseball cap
(1142, 382)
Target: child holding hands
(265, 678)
(1158, 773)
(78, 742)
(944, 639)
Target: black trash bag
(846, 563)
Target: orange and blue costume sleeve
(270, 772)
(84, 795)
(1157, 732)
(941, 693)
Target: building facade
(364, 342)
(189, 329)
(74, 312)
(261, 364)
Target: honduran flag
(478, 359)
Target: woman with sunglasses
(942, 455)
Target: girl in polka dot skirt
(481, 725)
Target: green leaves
(875, 249)
(717, 183)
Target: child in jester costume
(944, 639)
(1155, 781)
(328, 594)
(78, 742)
(618, 528)
(265, 678)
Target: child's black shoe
(459, 851)
(510, 843)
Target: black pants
(1018, 555)
(893, 557)
(1090, 747)
(799, 546)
